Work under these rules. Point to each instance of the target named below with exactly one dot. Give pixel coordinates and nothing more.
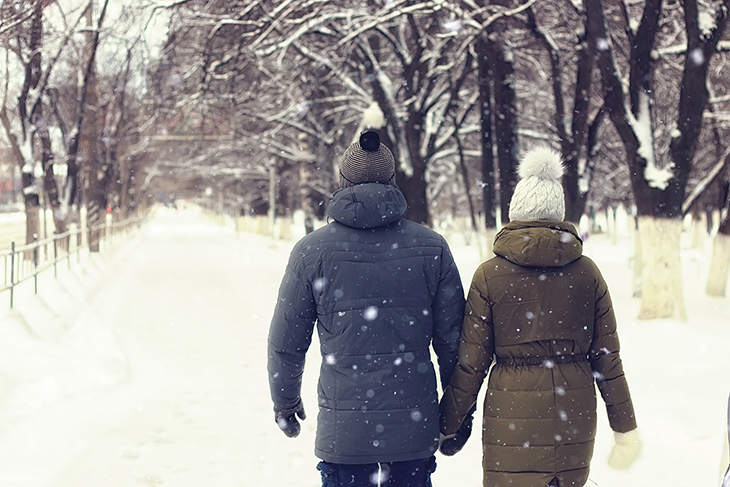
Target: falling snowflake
(319, 283)
(378, 477)
(453, 25)
(697, 57)
(370, 313)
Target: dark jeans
(413, 473)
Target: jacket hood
(539, 243)
(367, 205)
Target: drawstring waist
(547, 361)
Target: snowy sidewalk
(157, 378)
(151, 370)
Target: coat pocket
(329, 474)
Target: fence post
(35, 263)
(55, 256)
(68, 250)
(12, 271)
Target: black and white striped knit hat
(367, 161)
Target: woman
(542, 311)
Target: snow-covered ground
(147, 366)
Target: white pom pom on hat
(539, 194)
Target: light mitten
(626, 449)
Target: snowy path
(178, 394)
(149, 369)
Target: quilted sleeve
(290, 334)
(606, 362)
(448, 313)
(476, 348)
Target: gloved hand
(287, 421)
(626, 449)
(452, 444)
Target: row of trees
(248, 92)
(633, 94)
(72, 107)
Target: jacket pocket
(329, 474)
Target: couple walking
(381, 291)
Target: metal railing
(25, 262)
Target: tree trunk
(662, 294)
(717, 279)
(50, 186)
(414, 185)
(32, 219)
(720, 263)
(505, 125)
(90, 125)
(487, 146)
(414, 189)
(30, 193)
(698, 229)
(638, 262)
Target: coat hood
(539, 243)
(367, 205)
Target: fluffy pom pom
(372, 117)
(370, 141)
(542, 162)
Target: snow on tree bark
(662, 293)
(720, 263)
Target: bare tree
(577, 123)
(659, 173)
(40, 106)
(29, 137)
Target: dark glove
(453, 444)
(287, 421)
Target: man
(381, 290)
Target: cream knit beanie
(539, 194)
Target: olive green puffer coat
(543, 313)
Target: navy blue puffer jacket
(381, 290)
